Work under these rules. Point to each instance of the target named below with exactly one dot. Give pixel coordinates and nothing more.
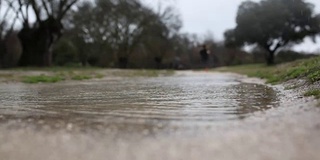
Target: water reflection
(253, 97)
(144, 105)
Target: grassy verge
(42, 79)
(314, 92)
(53, 76)
(56, 74)
(81, 77)
(49, 74)
(308, 69)
(56, 69)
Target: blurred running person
(204, 53)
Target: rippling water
(138, 103)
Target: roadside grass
(53, 77)
(60, 76)
(314, 92)
(56, 69)
(34, 75)
(56, 74)
(308, 68)
(42, 79)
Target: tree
(273, 24)
(65, 52)
(160, 36)
(117, 29)
(38, 37)
(110, 26)
(85, 31)
(10, 46)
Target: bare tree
(38, 37)
(10, 46)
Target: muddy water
(146, 106)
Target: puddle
(158, 105)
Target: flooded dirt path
(190, 115)
(188, 99)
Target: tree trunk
(270, 58)
(158, 61)
(37, 43)
(36, 48)
(84, 62)
(12, 50)
(28, 56)
(269, 54)
(2, 51)
(123, 62)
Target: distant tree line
(129, 34)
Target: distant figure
(123, 62)
(158, 61)
(204, 53)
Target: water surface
(157, 105)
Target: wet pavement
(190, 115)
(157, 105)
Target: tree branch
(281, 43)
(1, 6)
(46, 8)
(21, 11)
(27, 15)
(35, 10)
(18, 12)
(60, 9)
(13, 23)
(52, 7)
(5, 14)
(66, 9)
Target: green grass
(56, 74)
(42, 79)
(314, 76)
(56, 69)
(315, 93)
(308, 69)
(60, 76)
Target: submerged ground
(186, 115)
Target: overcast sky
(216, 16)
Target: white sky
(216, 16)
